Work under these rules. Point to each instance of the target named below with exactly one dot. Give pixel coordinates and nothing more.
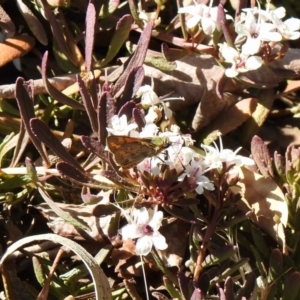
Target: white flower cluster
(255, 28)
(184, 159)
(144, 224)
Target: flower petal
(141, 216)
(159, 241)
(253, 63)
(131, 231)
(156, 220)
(143, 245)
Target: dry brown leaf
(233, 117)
(193, 76)
(266, 200)
(15, 47)
(292, 86)
(210, 107)
(196, 73)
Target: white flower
(256, 32)
(144, 227)
(201, 13)
(194, 169)
(196, 11)
(120, 125)
(215, 157)
(152, 164)
(240, 61)
(289, 29)
(150, 98)
(149, 130)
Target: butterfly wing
(128, 152)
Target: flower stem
(161, 266)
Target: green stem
(161, 266)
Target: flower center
(147, 229)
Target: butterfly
(130, 151)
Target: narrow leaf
(57, 32)
(90, 23)
(54, 92)
(66, 216)
(88, 103)
(101, 285)
(25, 105)
(45, 135)
(33, 23)
(76, 176)
(135, 60)
(121, 34)
(262, 156)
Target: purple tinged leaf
(120, 181)
(135, 60)
(23, 140)
(25, 105)
(121, 34)
(221, 292)
(110, 109)
(127, 109)
(159, 296)
(106, 110)
(291, 287)
(78, 177)
(261, 156)
(139, 118)
(221, 21)
(279, 163)
(275, 265)
(45, 135)
(183, 282)
(54, 92)
(90, 22)
(74, 220)
(197, 295)
(95, 147)
(246, 291)
(203, 283)
(228, 288)
(58, 33)
(88, 103)
(133, 83)
(72, 173)
(295, 157)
